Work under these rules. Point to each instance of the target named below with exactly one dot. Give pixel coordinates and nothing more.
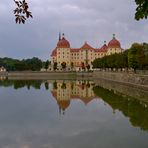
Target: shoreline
(124, 78)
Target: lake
(69, 114)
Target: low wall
(49, 75)
(40, 75)
(137, 79)
(3, 73)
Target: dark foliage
(142, 9)
(136, 57)
(33, 64)
(21, 12)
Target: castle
(79, 58)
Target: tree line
(33, 64)
(136, 57)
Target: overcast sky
(81, 20)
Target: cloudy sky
(81, 20)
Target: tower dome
(114, 43)
(54, 53)
(63, 43)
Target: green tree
(72, 65)
(145, 48)
(142, 9)
(63, 64)
(55, 66)
(46, 65)
(88, 67)
(83, 66)
(132, 56)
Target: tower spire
(63, 35)
(114, 36)
(59, 36)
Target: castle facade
(79, 58)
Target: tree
(21, 12)
(46, 65)
(72, 65)
(142, 9)
(145, 48)
(10, 64)
(55, 66)
(88, 67)
(83, 65)
(63, 64)
(132, 56)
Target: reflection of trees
(88, 84)
(134, 109)
(55, 86)
(21, 83)
(46, 85)
(63, 85)
(72, 85)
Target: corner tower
(114, 46)
(63, 51)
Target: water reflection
(66, 91)
(136, 110)
(93, 116)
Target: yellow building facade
(76, 58)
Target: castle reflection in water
(65, 92)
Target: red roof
(103, 48)
(63, 104)
(86, 46)
(54, 53)
(74, 49)
(114, 43)
(63, 43)
(54, 94)
(97, 49)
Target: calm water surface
(69, 114)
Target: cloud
(93, 21)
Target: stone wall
(124, 77)
(41, 75)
